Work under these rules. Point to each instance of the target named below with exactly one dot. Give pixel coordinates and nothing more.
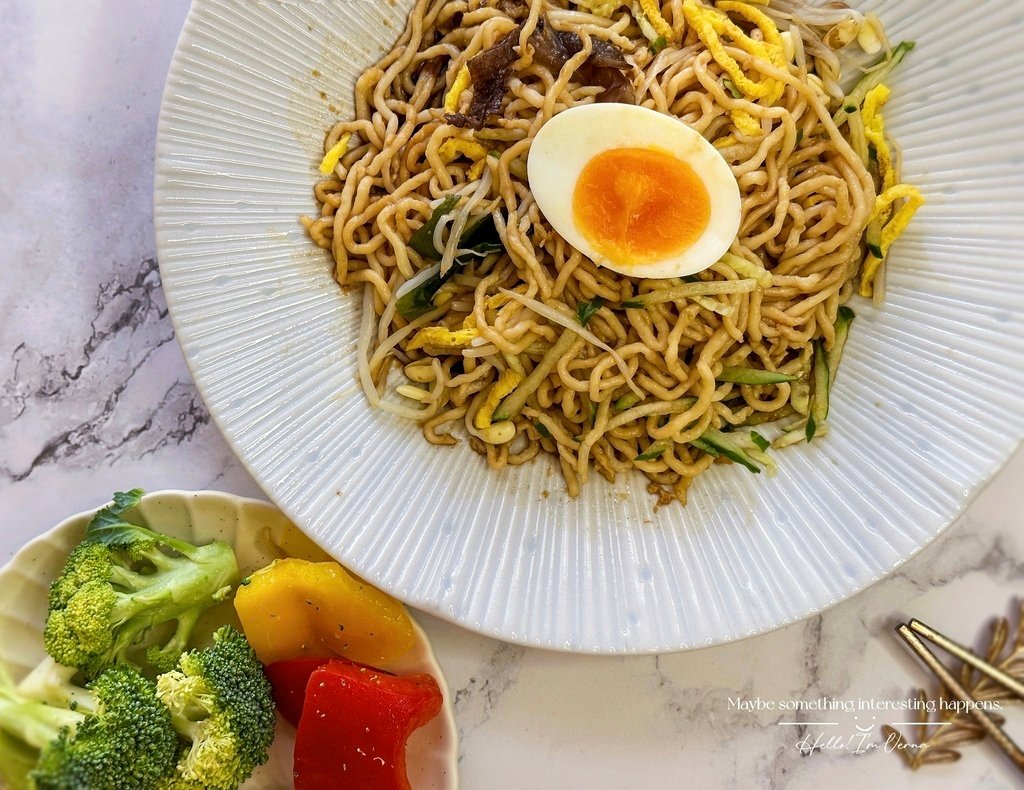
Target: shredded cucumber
(714, 442)
(819, 393)
(627, 401)
(844, 319)
(765, 417)
(762, 443)
(875, 76)
(654, 450)
(753, 376)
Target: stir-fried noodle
(502, 328)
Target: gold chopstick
(910, 635)
(994, 673)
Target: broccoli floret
(113, 735)
(221, 704)
(122, 582)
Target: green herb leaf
(110, 516)
(124, 500)
(658, 44)
(585, 310)
(480, 237)
(110, 530)
(423, 239)
(632, 303)
(420, 300)
(762, 443)
(730, 86)
(542, 429)
(104, 519)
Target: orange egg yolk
(640, 205)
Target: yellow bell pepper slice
(294, 608)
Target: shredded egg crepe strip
(462, 81)
(334, 154)
(712, 23)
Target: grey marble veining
(94, 396)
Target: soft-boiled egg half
(634, 190)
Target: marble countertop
(94, 396)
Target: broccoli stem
(179, 590)
(165, 658)
(53, 684)
(33, 721)
(55, 734)
(183, 547)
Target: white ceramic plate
(925, 411)
(258, 532)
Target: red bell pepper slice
(289, 680)
(355, 723)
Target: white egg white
(567, 143)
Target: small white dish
(258, 532)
